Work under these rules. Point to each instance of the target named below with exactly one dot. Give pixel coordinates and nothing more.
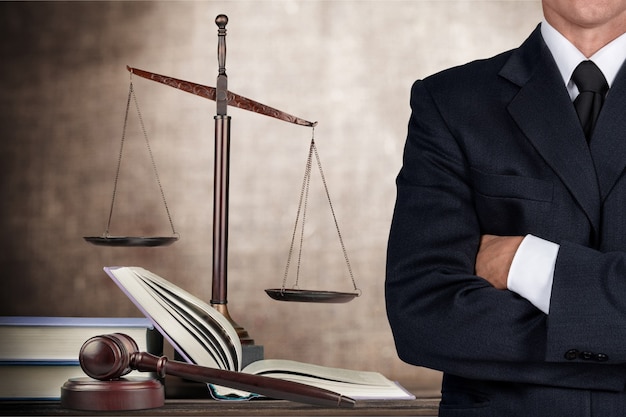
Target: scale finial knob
(221, 20)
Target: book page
(197, 328)
(172, 327)
(375, 386)
(210, 319)
(359, 385)
(388, 391)
(269, 366)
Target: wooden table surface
(204, 407)
(185, 398)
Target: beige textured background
(347, 64)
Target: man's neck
(590, 38)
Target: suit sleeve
(442, 315)
(587, 320)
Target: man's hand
(494, 258)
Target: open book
(203, 336)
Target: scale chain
(303, 192)
(131, 93)
(119, 160)
(343, 247)
(307, 177)
(302, 206)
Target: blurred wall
(347, 64)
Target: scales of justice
(223, 99)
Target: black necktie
(593, 88)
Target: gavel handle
(270, 387)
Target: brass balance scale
(223, 99)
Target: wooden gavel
(109, 357)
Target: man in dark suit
(506, 265)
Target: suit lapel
(544, 112)
(608, 144)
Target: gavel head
(107, 357)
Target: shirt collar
(609, 59)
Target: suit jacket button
(587, 356)
(602, 357)
(571, 354)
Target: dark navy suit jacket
(495, 147)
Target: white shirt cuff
(532, 271)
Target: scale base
(251, 353)
(132, 393)
(244, 337)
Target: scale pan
(131, 241)
(310, 296)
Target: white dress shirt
(532, 269)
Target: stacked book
(39, 354)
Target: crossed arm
(494, 258)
